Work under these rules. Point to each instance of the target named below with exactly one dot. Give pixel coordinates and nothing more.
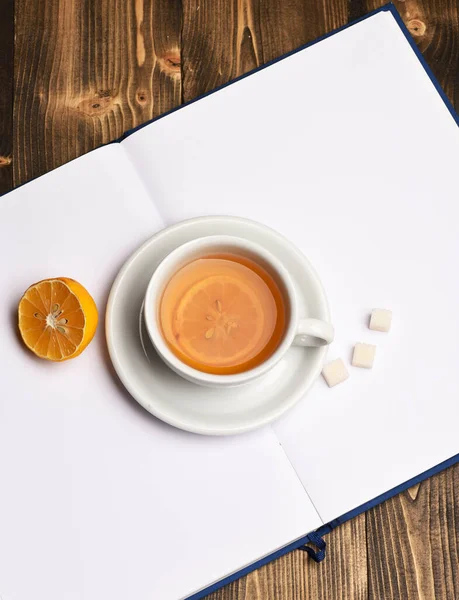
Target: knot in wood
(170, 62)
(142, 97)
(416, 27)
(413, 492)
(98, 104)
(5, 161)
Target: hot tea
(222, 314)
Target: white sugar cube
(364, 355)
(380, 319)
(335, 372)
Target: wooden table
(77, 73)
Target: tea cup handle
(313, 332)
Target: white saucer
(184, 404)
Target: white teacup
(298, 332)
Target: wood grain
(413, 542)
(6, 94)
(85, 71)
(220, 40)
(227, 38)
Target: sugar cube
(380, 319)
(364, 355)
(335, 372)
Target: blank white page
(348, 150)
(99, 499)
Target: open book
(348, 149)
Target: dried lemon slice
(57, 318)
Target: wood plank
(342, 576)
(226, 38)
(6, 94)
(288, 24)
(413, 542)
(220, 40)
(88, 71)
